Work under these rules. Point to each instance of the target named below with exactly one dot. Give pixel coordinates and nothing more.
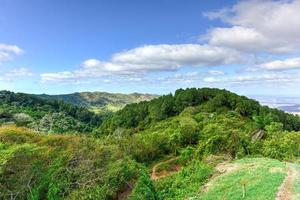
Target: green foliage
(184, 183)
(191, 126)
(225, 134)
(262, 120)
(282, 145)
(140, 115)
(186, 154)
(32, 111)
(144, 189)
(61, 167)
(57, 123)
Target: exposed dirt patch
(226, 167)
(285, 191)
(221, 168)
(164, 173)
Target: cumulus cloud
(254, 29)
(290, 63)
(258, 26)
(151, 58)
(7, 52)
(170, 57)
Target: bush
(184, 183)
(282, 146)
(144, 189)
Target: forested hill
(141, 115)
(101, 101)
(45, 115)
(185, 145)
(55, 114)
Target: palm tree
(261, 122)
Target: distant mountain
(287, 104)
(101, 101)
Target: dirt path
(154, 175)
(285, 191)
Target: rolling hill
(101, 101)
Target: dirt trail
(285, 191)
(154, 175)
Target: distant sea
(288, 104)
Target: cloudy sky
(62, 46)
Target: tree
(262, 120)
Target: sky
(63, 46)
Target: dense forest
(45, 115)
(168, 148)
(206, 100)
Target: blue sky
(63, 46)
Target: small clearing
(248, 178)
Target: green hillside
(101, 101)
(196, 144)
(45, 115)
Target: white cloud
(7, 52)
(15, 73)
(211, 80)
(170, 57)
(254, 78)
(151, 58)
(216, 72)
(291, 63)
(258, 26)
(19, 72)
(238, 37)
(58, 76)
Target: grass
(261, 177)
(296, 188)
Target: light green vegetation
(184, 183)
(296, 184)
(101, 102)
(35, 166)
(261, 178)
(106, 109)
